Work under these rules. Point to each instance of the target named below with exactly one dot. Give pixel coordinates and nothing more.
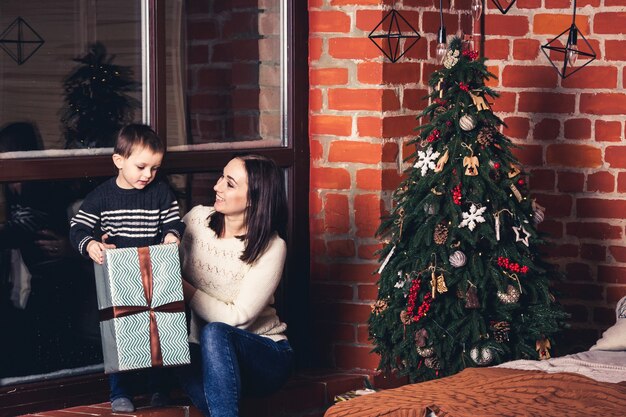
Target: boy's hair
(266, 212)
(134, 135)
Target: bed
(583, 384)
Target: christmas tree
(462, 283)
(97, 103)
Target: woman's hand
(171, 238)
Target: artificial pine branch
(454, 176)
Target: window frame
(294, 158)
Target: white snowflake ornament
(474, 217)
(426, 160)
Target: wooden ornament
(467, 122)
(479, 102)
(514, 171)
(471, 165)
(442, 161)
(441, 284)
(542, 347)
(516, 192)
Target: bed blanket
(485, 392)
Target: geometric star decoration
(503, 6)
(20, 41)
(517, 231)
(400, 36)
(562, 49)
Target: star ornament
(519, 231)
(475, 216)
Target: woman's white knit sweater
(229, 290)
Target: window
(213, 80)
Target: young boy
(129, 210)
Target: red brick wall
(362, 110)
(233, 71)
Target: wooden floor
(305, 395)
(104, 410)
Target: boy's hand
(95, 249)
(171, 238)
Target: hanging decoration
(20, 41)
(503, 5)
(467, 122)
(477, 9)
(441, 36)
(458, 259)
(475, 216)
(496, 216)
(543, 348)
(511, 296)
(521, 235)
(471, 297)
(481, 356)
(426, 160)
(571, 52)
(400, 36)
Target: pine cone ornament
(439, 111)
(485, 136)
(379, 306)
(432, 362)
(441, 234)
(501, 331)
(425, 352)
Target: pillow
(614, 338)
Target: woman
(232, 259)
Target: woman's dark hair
(266, 212)
(20, 136)
(137, 135)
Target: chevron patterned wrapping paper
(126, 316)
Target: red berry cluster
(511, 266)
(472, 55)
(456, 195)
(441, 101)
(463, 86)
(416, 315)
(434, 135)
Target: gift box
(353, 394)
(142, 311)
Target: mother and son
(232, 260)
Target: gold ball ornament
(467, 122)
(511, 295)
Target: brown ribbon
(145, 266)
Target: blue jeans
(230, 362)
(127, 384)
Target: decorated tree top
(97, 100)
(462, 283)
